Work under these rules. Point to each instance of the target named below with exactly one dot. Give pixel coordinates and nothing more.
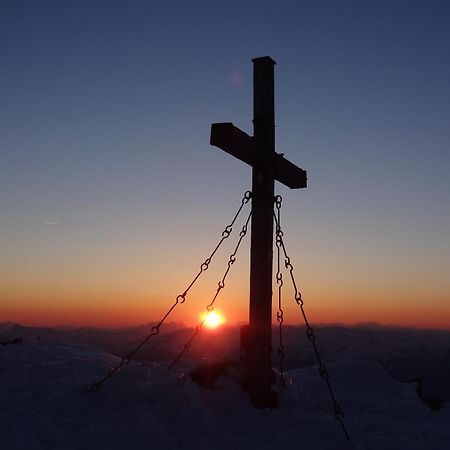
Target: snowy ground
(44, 404)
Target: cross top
(258, 151)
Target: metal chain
(225, 234)
(210, 307)
(279, 278)
(323, 371)
(180, 299)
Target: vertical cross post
(267, 166)
(260, 315)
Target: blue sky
(106, 170)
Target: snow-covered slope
(44, 404)
(406, 354)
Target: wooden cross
(267, 166)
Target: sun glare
(213, 319)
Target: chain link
(279, 279)
(323, 371)
(180, 299)
(210, 306)
(225, 234)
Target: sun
(213, 319)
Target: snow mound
(45, 404)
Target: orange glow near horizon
(126, 299)
(123, 311)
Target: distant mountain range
(113, 340)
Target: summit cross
(267, 166)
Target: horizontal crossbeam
(239, 144)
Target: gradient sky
(111, 196)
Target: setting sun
(213, 319)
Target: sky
(111, 196)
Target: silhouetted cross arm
(239, 144)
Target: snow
(45, 404)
